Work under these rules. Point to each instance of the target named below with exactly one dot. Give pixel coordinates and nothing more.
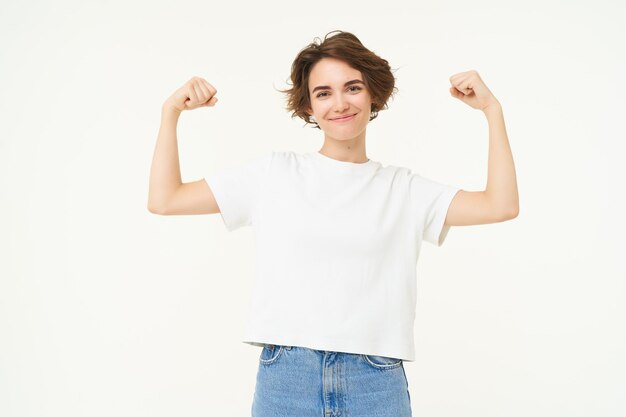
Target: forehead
(332, 71)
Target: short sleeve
(237, 190)
(432, 200)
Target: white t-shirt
(337, 245)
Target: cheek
(321, 107)
(365, 100)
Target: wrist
(169, 111)
(493, 107)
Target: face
(334, 94)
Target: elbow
(504, 210)
(510, 214)
(508, 211)
(504, 214)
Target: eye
(349, 88)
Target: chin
(347, 132)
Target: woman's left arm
(500, 200)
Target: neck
(348, 150)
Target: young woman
(338, 234)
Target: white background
(109, 310)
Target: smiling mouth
(345, 117)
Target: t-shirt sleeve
(238, 189)
(432, 200)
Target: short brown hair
(377, 74)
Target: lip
(344, 119)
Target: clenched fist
(470, 89)
(196, 92)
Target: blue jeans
(294, 381)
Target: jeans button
(288, 347)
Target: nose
(340, 104)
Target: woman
(338, 234)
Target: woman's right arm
(167, 194)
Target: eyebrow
(325, 87)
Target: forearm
(501, 179)
(165, 175)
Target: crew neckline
(344, 165)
